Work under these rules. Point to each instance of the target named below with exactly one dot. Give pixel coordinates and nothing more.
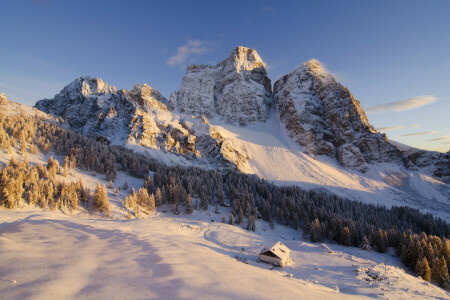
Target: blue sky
(383, 51)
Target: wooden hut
(277, 255)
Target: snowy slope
(50, 255)
(274, 156)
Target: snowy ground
(52, 255)
(49, 255)
(274, 156)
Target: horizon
(395, 65)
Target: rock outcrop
(236, 89)
(323, 116)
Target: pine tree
(224, 219)
(423, 269)
(143, 199)
(345, 236)
(189, 207)
(314, 233)
(380, 242)
(251, 223)
(442, 276)
(125, 186)
(230, 219)
(151, 204)
(158, 197)
(240, 217)
(203, 201)
(66, 166)
(148, 184)
(101, 200)
(365, 244)
(8, 200)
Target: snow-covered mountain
(310, 131)
(237, 89)
(323, 116)
(140, 118)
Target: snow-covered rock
(236, 89)
(323, 116)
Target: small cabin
(277, 255)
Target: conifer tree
(423, 269)
(230, 219)
(7, 199)
(189, 207)
(345, 236)
(66, 166)
(143, 199)
(158, 197)
(380, 242)
(101, 200)
(314, 233)
(441, 272)
(151, 203)
(365, 244)
(203, 201)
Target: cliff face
(323, 116)
(237, 89)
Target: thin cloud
(389, 128)
(268, 9)
(421, 133)
(184, 52)
(442, 138)
(403, 105)
(39, 61)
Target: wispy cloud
(184, 52)
(403, 105)
(389, 128)
(39, 61)
(421, 133)
(268, 9)
(442, 138)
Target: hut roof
(279, 250)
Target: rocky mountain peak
(314, 66)
(237, 89)
(246, 59)
(86, 86)
(325, 118)
(146, 97)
